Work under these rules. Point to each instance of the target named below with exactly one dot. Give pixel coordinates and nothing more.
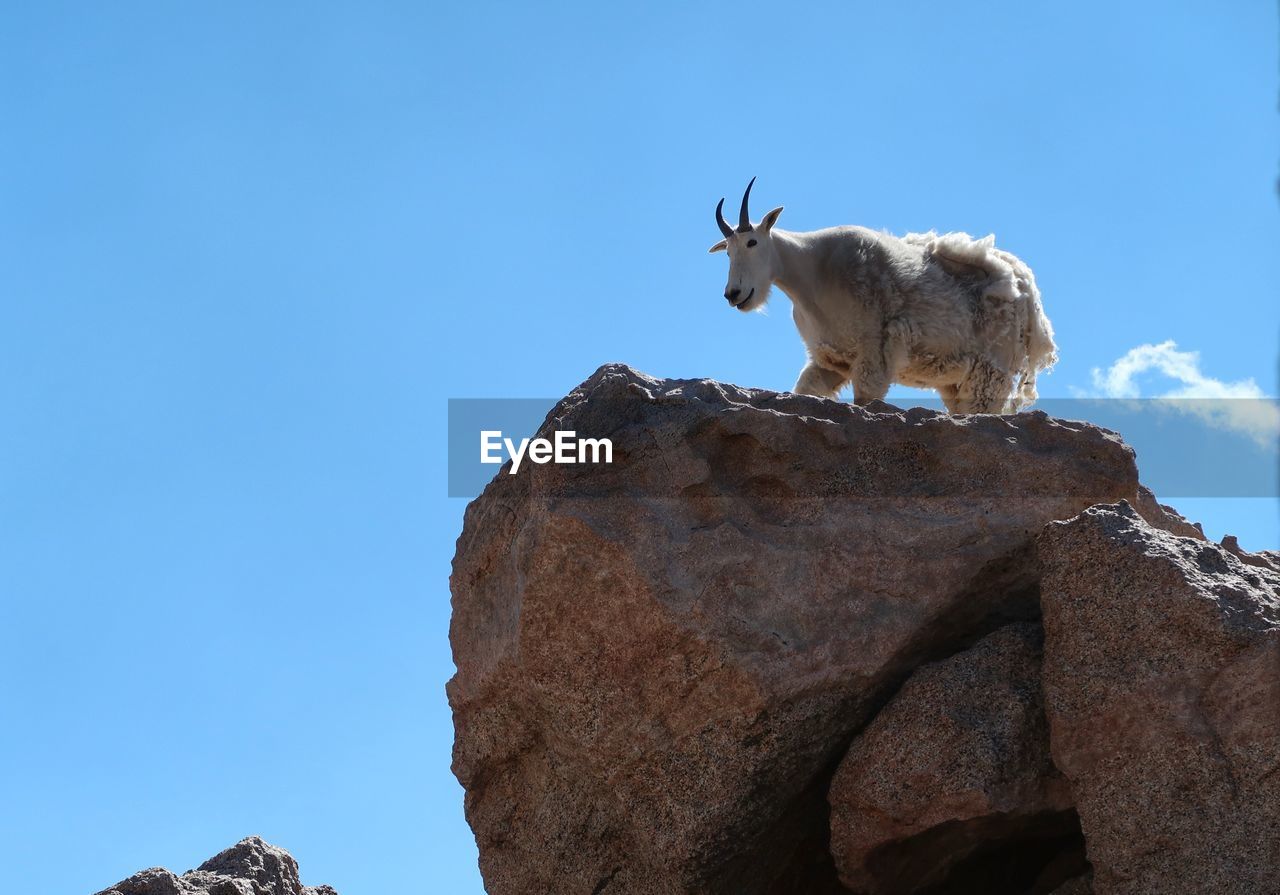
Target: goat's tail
(1039, 353)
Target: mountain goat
(946, 312)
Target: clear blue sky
(248, 250)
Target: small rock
(250, 867)
(952, 782)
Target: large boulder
(661, 661)
(250, 867)
(1162, 682)
(951, 786)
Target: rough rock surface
(1267, 559)
(661, 661)
(1166, 517)
(952, 786)
(1162, 683)
(250, 867)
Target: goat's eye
(750, 243)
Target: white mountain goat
(948, 312)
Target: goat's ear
(771, 218)
(719, 246)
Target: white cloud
(1183, 366)
(1239, 406)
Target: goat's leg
(985, 390)
(950, 395)
(819, 381)
(871, 383)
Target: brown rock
(951, 788)
(1267, 559)
(660, 661)
(1162, 683)
(1161, 515)
(250, 867)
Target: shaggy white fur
(963, 248)
(1009, 278)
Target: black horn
(744, 219)
(724, 225)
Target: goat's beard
(757, 301)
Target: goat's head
(751, 255)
